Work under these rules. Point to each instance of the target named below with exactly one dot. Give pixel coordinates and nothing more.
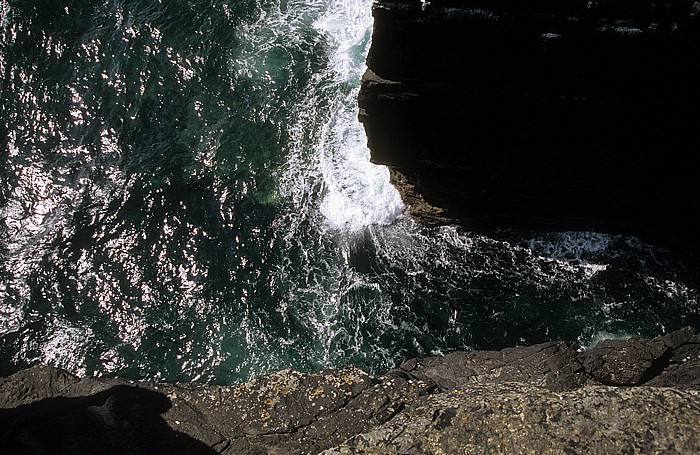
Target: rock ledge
(622, 396)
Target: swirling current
(186, 195)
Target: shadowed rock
(636, 361)
(120, 420)
(548, 115)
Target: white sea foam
(570, 245)
(357, 193)
(354, 192)
(573, 249)
(332, 193)
(332, 184)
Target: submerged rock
(534, 399)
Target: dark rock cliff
(622, 396)
(547, 115)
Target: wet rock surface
(545, 398)
(548, 115)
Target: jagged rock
(61, 414)
(635, 361)
(44, 408)
(518, 418)
(464, 402)
(678, 338)
(683, 369)
(668, 361)
(625, 362)
(290, 412)
(547, 115)
(552, 365)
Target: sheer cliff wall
(546, 115)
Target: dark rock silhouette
(120, 420)
(547, 115)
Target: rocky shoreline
(545, 116)
(623, 396)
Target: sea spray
(353, 192)
(356, 193)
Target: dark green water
(185, 194)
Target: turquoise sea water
(186, 195)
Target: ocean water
(186, 195)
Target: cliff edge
(548, 115)
(623, 396)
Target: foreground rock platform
(550, 115)
(623, 396)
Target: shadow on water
(120, 420)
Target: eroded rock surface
(545, 398)
(671, 361)
(519, 418)
(553, 365)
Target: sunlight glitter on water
(195, 201)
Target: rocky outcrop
(538, 399)
(553, 365)
(547, 115)
(518, 418)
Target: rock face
(547, 115)
(538, 399)
(518, 418)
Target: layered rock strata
(623, 396)
(547, 115)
